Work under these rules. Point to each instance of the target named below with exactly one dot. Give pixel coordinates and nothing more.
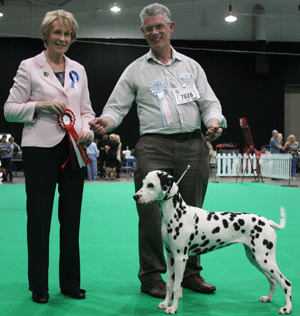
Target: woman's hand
(56, 107)
(85, 138)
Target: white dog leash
(189, 166)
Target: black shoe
(74, 293)
(196, 283)
(40, 297)
(156, 289)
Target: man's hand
(213, 130)
(102, 125)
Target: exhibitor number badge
(186, 94)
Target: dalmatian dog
(188, 231)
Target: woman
(111, 162)
(45, 86)
(5, 158)
(119, 155)
(293, 147)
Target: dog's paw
(265, 299)
(163, 305)
(284, 311)
(171, 310)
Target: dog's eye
(150, 185)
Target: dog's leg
(170, 281)
(267, 265)
(180, 264)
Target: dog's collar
(166, 198)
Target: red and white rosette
(66, 122)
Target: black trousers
(7, 164)
(154, 153)
(42, 169)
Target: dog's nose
(136, 196)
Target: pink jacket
(35, 81)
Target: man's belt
(179, 137)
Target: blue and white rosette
(75, 78)
(158, 88)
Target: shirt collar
(175, 56)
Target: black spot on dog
(193, 247)
(216, 230)
(210, 215)
(172, 262)
(287, 283)
(216, 217)
(185, 250)
(203, 237)
(261, 223)
(179, 213)
(241, 222)
(272, 271)
(178, 250)
(225, 223)
(268, 244)
(205, 243)
(257, 228)
(265, 261)
(253, 219)
(243, 231)
(236, 226)
(173, 276)
(168, 250)
(192, 237)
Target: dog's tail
(282, 220)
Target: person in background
(262, 151)
(15, 147)
(172, 96)
(111, 162)
(92, 168)
(50, 91)
(5, 157)
(275, 146)
(294, 149)
(102, 143)
(119, 156)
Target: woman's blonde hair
(292, 136)
(64, 17)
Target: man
(275, 145)
(15, 147)
(5, 157)
(172, 95)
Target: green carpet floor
(109, 258)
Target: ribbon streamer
(164, 108)
(66, 122)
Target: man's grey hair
(154, 9)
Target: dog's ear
(166, 181)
